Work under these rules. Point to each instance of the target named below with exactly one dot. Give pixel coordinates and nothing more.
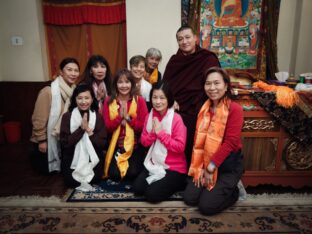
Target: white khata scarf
(156, 156)
(59, 90)
(85, 158)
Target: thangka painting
(231, 29)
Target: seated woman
(137, 68)
(152, 59)
(51, 103)
(217, 161)
(124, 113)
(165, 164)
(98, 75)
(83, 140)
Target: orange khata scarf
(122, 160)
(208, 138)
(154, 76)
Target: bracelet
(211, 170)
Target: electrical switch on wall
(17, 41)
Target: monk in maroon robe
(185, 75)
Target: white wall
(304, 50)
(20, 63)
(153, 23)
(294, 37)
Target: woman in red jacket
(124, 113)
(217, 161)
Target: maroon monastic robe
(185, 75)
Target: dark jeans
(161, 189)
(225, 192)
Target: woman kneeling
(165, 164)
(217, 162)
(83, 140)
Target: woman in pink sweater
(165, 164)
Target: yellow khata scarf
(122, 160)
(154, 76)
(208, 138)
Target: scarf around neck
(208, 137)
(154, 76)
(85, 158)
(60, 92)
(122, 160)
(157, 153)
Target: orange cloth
(285, 96)
(154, 76)
(122, 160)
(208, 137)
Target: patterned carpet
(33, 215)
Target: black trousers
(39, 160)
(135, 165)
(225, 192)
(161, 189)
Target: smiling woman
(165, 134)
(217, 161)
(83, 140)
(51, 104)
(124, 113)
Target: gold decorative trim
(259, 124)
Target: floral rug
(144, 218)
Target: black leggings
(225, 192)
(161, 189)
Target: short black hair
(185, 27)
(80, 89)
(68, 60)
(167, 91)
(135, 60)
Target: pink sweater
(175, 143)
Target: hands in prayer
(85, 124)
(156, 125)
(123, 112)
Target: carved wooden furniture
(271, 155)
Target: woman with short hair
(52, 102)
(152, 59)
